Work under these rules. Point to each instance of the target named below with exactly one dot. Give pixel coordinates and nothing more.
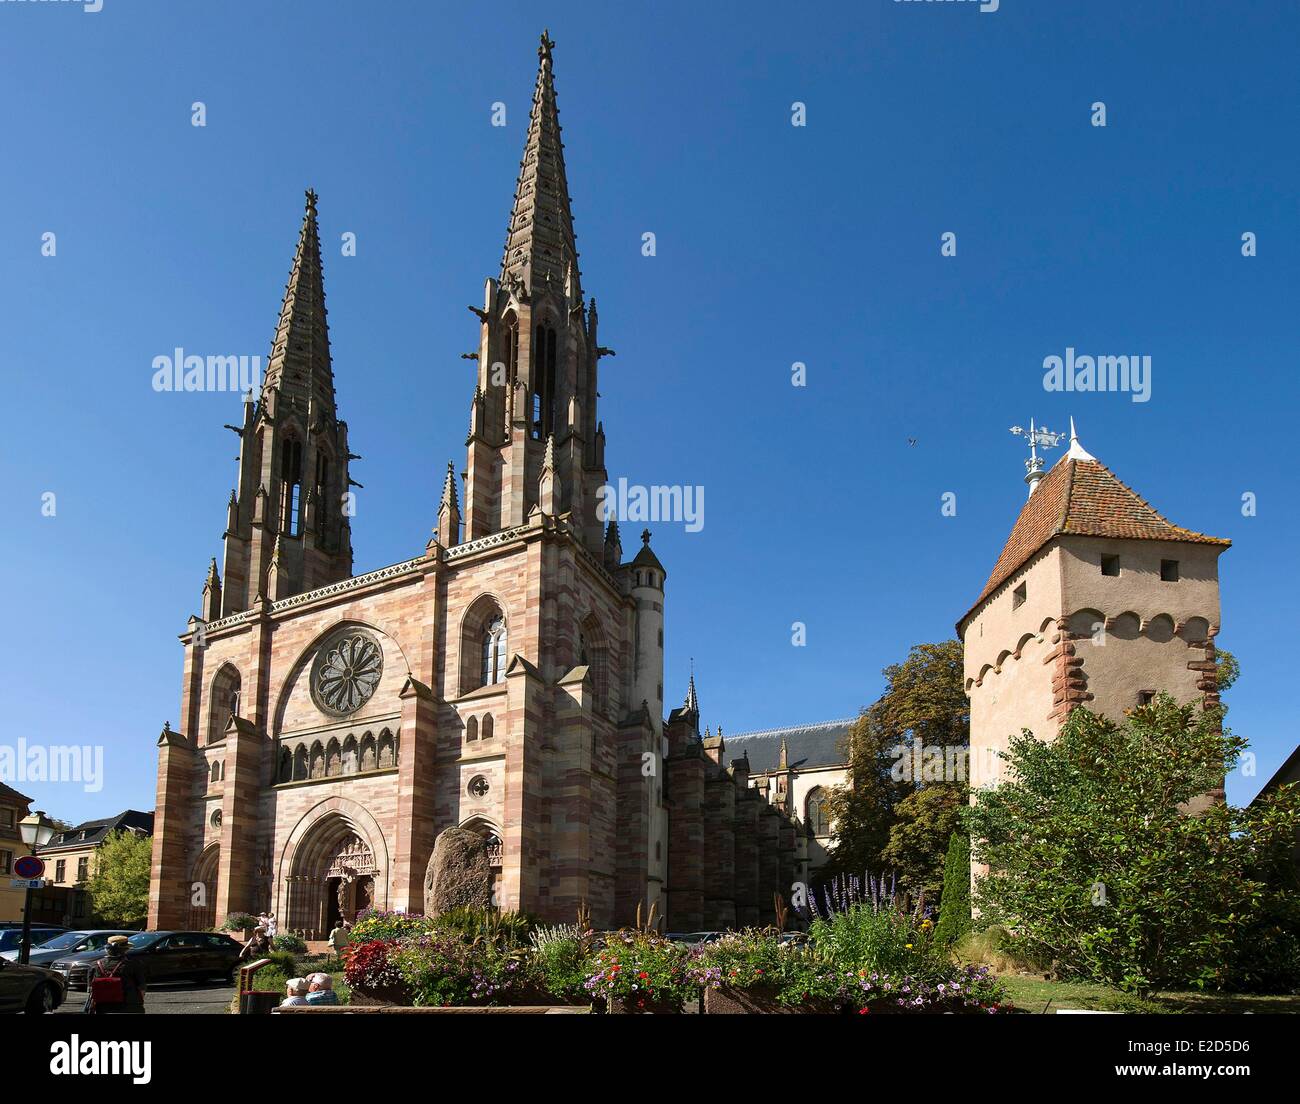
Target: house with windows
(14, 806)
(506, 679)
(70, 859)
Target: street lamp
(37, 830)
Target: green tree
(923, 707)
(954, 911)
(1226, 668)
(119, 886)
(919, 837)
(1097, 864)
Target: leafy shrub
(1097, 865)
(559, 960)
(504, 929)
(238, 921)
(287, 942)
(284, 961)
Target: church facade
(508, 678)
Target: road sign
(26, 883)
(29, 866)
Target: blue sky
(775, 244)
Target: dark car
(165, 956)
(30, 989)
(11, 939)
(69, 943)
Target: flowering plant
(640, 968)
(447, 970)
(370, 967)
(389, 926)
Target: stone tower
(1096, 600)
(287, 527)
(534, 441)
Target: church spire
(540, 242)
(294, 481)
(299, 364)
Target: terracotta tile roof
(1082, 498)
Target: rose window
(347, 673)
(479, 786)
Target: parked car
(165, 956)
(30, 989)
(11, 939)
(61, 946)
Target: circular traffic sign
(29, 866)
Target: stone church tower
(507, 679)
(287, 526)
(1095, 600)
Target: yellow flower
(909, 946)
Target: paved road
(171, 998)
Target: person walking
(339, 940)
(116, 983)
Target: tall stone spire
(541, 246)
(293, 458)
(538, 357)
(299, 363)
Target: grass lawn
(1034, 994)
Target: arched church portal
(333, 877)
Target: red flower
(643, 974)
(863, 1011)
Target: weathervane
(1036, 437)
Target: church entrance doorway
(333, 879)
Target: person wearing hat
(258, 945)
(321, 990)
(116, 982)
(296, 990)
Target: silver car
(68, 943)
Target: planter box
(759, 1001)
(624, 1006)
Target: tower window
(1110, 565)
(291, 488)
(494, 652)
(1019, 595)
(544, 383)
(1169, 571)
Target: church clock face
(346, 672)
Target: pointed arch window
(322, 485)
(544, 357)
(818, 812)
(494, 651)
(291, 488)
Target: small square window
(1146, 697)
(1018, 596)
(1110, 565)
(1169, 571)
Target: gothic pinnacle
(449, 499)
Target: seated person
(296, 989)
(321, 990)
